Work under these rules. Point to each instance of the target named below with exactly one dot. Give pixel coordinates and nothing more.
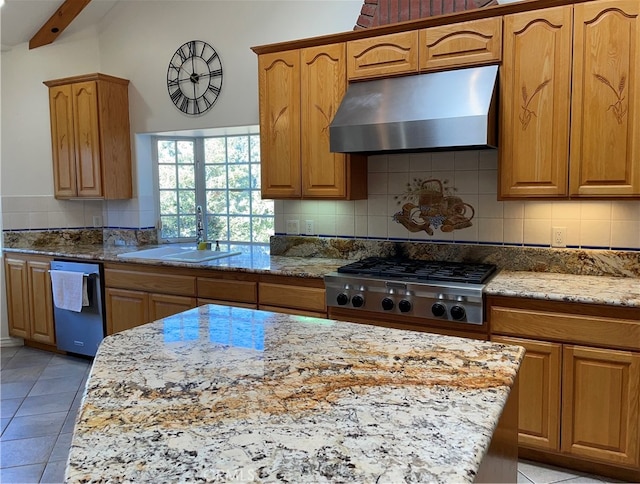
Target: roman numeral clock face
(194, 77)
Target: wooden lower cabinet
(579, 382)
(601, 407)
(29, 298)
(137, 294)
(125, 309)
(292, 295)
(165, 305)
(539, 409)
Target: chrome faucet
(199, 226)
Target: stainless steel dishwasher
(81, 332)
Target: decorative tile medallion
(431, 204)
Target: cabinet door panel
(125, 309)
(535, 93)
(279, 85)
(605, 120)
(62, 141)
(17, 285)
(465, 43)
(323, 77)
(163, 305)
(600, 404)
(40, 303)
(382, 56)
(539, 410)
(85, 106)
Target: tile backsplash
(472, 177)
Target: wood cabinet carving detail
(618, 108)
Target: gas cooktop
(420, 270)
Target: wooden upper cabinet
(63, 141)
(300, 92)
(86, 129)
(605, 118)
(461, 44)
(90, 137)
(600, 417)
(325, 174)
(382, 56)
(535, 93)
(279, 101)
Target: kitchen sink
(199, 255)
(178, 254)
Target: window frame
(200, 185)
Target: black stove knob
(387, 304)
(404, 306)
(342, 299)
(357, 301)
(458, 313)
(438, 310)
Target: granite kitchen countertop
(253, 258)
(220, 394)
(615, 291)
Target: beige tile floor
(40, 394)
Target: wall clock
(194, 77)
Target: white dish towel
(69, 290)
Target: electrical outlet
(558, 237)
(308, 227)
(97, 221)
(293, 227)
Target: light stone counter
(615, 291)
(229, 394)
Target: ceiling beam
(59, 21)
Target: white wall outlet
(293, 227)
(97, 221)
(558, 237)
(308, 227)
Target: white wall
(136, 40)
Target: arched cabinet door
(279, 100)
(461, 44)
(605, 116)
(382, 56)
(535, 91)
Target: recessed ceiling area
(20, 20)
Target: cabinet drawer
(181, 285)
(226, 290)
(282, 295)
(574, 328)
(464, 43)
(383, 55)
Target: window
(222, 175)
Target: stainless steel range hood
(427, 112)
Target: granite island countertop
(587, 289)
(219, 394)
